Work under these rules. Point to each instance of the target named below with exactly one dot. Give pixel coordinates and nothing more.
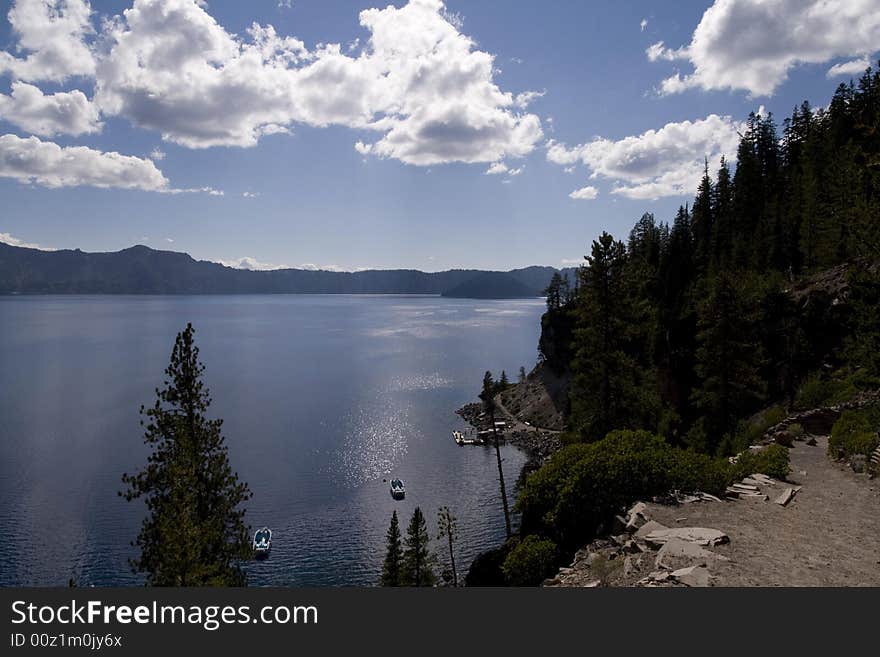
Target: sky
(344, 134)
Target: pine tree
(392, 568)
(522, 374)
(447, 530)
(554, 292)
(604, 392)
(702, 221)
(194, 532)
(503, 382)
(418, 560)
(728, 359)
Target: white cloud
(496, 169)
(285, 4)
(250, 194)
(851, 68)
(157, 154)
(584, 193)
(51, 36)
(419, 82)
(657, 163)
(45, 163)
(526, 98)
(571, 262)
(6, 238)
(752, 44)
(644, 24)
(65, 112)
(169, 240)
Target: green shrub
(772, 461)
(817, 392)
(855, 433)
(531, 562)
(750, 432)
(486, 569)
(796, 430)
(584, 485)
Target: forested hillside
(690, 326)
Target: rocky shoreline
(537, 444)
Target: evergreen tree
(447, 530)
(418, 560)
(727, 359)
(522, 374)
(605, 387)
(503, 382)
(702, 221)
(194, 532)
(554, 292)
(392, 568)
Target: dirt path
(829, 535)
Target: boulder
(695, 576)
(676, 548)
(858, 462)
(647, 528)
(785, 497)
(784, 438)
(636, 516)
(698, 535)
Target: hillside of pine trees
(689, 327)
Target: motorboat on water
(262, 542)
(398, 491)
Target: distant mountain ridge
(142, 270)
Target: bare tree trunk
(500, 472)
(452, 559)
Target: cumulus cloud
(65, 112)
(751, 45)
(587, 193)
(157, 154)
(656, 163)
(851, 68)
(6, 238)
(644, 24)
(51, 39)
(419, 82)
(45, 163)
(497, 169)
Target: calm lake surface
(323, 398)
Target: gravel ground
(828, 535)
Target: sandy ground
(828, 535)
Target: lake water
(323, 398)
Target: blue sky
(196, 105)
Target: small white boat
(398, 492)
(460, 439)
(262, 542)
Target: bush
(486, 569)
(772, 461)
(796, 430)
(584, 485)
(855, 433)
(752, 431)
(531, 562)
(817, 392)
